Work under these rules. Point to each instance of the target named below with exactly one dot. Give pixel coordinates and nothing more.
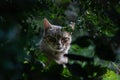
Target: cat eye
(51, 39)
(65, 39)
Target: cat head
(56, 37)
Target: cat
(55, 42)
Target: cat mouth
(57, 48)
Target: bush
(95, 39)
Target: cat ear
(46, 24)
(72, 25)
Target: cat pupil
(65, 39)
(52, 39)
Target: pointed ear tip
(45, 19)
(72, 23)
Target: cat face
(56, 38)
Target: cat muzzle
(59, 47)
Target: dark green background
(94, 53)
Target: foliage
(110, 75)
(95, 39)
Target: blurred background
(95, 48)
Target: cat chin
(58, 50)
(62, 60)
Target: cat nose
(59, 43)
(59, 47)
